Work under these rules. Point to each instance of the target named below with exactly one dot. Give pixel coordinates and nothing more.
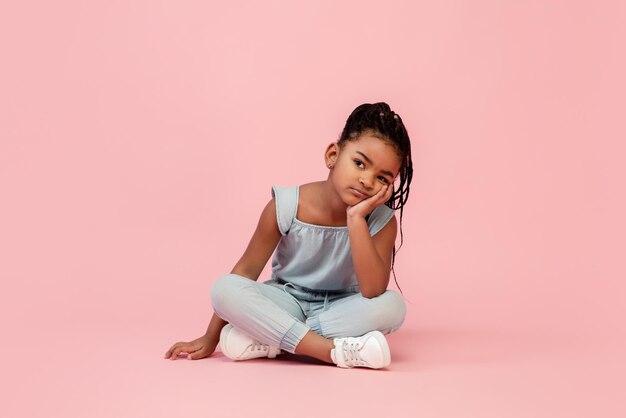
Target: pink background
(139, 141)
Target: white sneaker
(370, 350)
(236, 345)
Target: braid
(380, 121)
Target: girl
(334, 243)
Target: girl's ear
(331, 154)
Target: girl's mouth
(358, 193)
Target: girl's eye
(384, 180)
(359, 163)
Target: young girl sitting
(335, 245)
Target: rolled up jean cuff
(293, 336)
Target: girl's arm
(250, 265)
(261, 245)
(371, 256)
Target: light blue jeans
(280, 314)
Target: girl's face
(362, 167)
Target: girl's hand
(194, 350)
(365, 206)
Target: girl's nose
(366, 182)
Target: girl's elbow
(373, 293)
(371, 287)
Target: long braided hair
(380, 121)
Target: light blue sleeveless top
(316, 256)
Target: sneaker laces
(258, 346)
(352, 353)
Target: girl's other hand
(199, 348)
(365, 206)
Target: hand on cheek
(365, 206)
(385, 192)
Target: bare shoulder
(268, 220)
(308, 189)
(307, 208)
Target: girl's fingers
(176, 351)
(378, 195)
(192, 349)
(169, 352)
(173, 354)
(184, 348)
(188, 349)
(385, 193)
(174, 347)
(196, 354)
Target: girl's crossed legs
(299, 322)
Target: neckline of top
(295, 218)
(320, 226)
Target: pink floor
(435, 373)
(90, 360)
